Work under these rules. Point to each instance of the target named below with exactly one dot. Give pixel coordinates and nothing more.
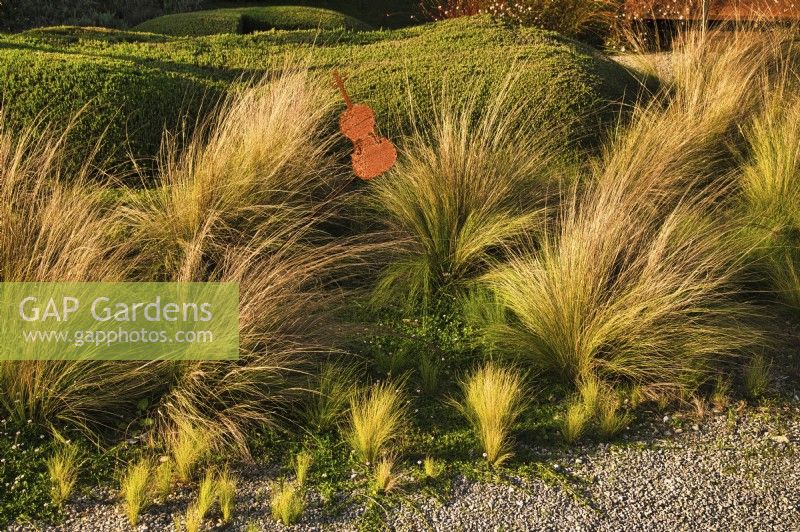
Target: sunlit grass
(384, 479)
(576, 421)
(135, 490)
(377, 416)
(226, 494)
(469, 182)
(493, 399)
(189, 447)
(302, 465)
(162, 479)
(62, 469)
(287, 503)
(206, 494)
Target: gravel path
(738, 470)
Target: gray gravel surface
(737, 470)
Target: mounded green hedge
(125, 104)
(246, 20)
(196, 23)
(138, 82)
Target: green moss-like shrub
(138, 82)
(247, 20)
(195, 23)
(124, 104)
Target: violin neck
(342, 90)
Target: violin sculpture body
(372, 155)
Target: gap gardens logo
(119, 321)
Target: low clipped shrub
(122, 107)
(195, 23)
(65, 68)
(295, 17)
(19, 14)
(248, 20)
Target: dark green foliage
(20, 14)
(248, 20)
(381, 13)
(24, 481)
(124, 103)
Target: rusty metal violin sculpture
(373, 155)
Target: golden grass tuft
(636, 281)
(469, 182)
(189, 447)
(262, 157)
(611, 420)
(162, 479)
(245, 201)
(331, 389)
(59, 226)
(206, 494)
(384, 479)
(302, 465)
(493, 400)
(226, 494)
(193, 521)
(377, 417)
(135, 490)
(575, 422)
(287, 503)
(62, 469)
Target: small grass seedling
(576, 420)
(206, 494)
(493, 400)
(610, 420)
(62, 468)
(193, 519)
(135, 490)
(226, 494)
(188, 447)
(302, 465)
(162, 480)
(756, 377)
(376, 418)
(432, 468)
(287, 503)
(384, 479)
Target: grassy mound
(135, 81)
(248, 20)
(124, 103)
